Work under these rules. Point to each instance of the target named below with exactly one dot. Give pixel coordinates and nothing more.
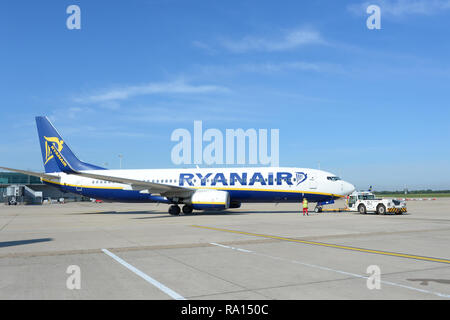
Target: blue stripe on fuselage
(240, 195)
(275, 196)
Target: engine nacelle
(210, 200)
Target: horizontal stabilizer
(32, 173)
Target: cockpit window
(333, 178)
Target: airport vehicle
(365, 201)
(13, 195)
(195, 188)
(12, 201)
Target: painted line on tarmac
(146, 277)
(442, 295)
(228, 247)
(330, 245)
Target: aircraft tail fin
(53, 144)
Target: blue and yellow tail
(48, 137)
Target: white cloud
(271, 67)
(175, 87)
(399, 8)
(290, 40)
(204, 46)
(106, 131)
(295, 65)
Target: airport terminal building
(30, 190)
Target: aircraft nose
(348, 188)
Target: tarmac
(259, 251)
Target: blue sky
(370, 105)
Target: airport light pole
(120, 157)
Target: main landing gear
(187, 209)
(175, 210)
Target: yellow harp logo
(48, 143)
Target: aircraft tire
(174, 210)
(187, 209)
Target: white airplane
(195, 189)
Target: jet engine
(204, 199)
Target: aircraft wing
(163, 189)
(32, 173)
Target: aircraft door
(312, 181)
(79, 186)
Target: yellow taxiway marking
(330, 245)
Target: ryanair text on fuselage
(186, 179)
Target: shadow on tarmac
(23, 242)
(165, 214)
(424, 282)
(214, 213)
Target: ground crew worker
(305, 206)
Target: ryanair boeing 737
(194, 189)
